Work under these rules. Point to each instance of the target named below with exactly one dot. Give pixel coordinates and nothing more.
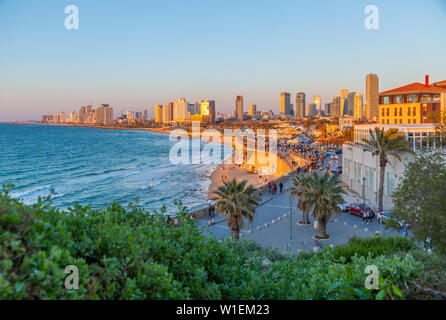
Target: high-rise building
(285, 103)
(145, 114)
(328, 107)
(239, 108)
(62, 117)
(357, 106)
(130, 115)
(180, 112)
(317, 102)
(73, 117)
(158, 113)
(372, 96)
(252, 110)
(167, 112)
(194, 108)
(350, 103)
(300, 105)
(104, 114)
(344, 93)
(208, 110)
(83, 114)
(336, 110)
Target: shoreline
(223, 172)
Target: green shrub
(374, 247)
(129, 253)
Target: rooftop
(415, 87)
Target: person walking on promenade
(364, 217)
(281, 187)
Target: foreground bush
(128, 253)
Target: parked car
(358, 209)
(338, 151)
(339, 169)
(343, 207)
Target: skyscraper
(104, 114)
(239, 108)
(351, 103)
(208, 109)
(344, 93)
(158, 113)
(252, 110)
(167, 112)
(357, 107)
(285, 107)
(336, 110)
(317, 102)
(300, 105)
(328, 108)
(372, 96)
(180, 112)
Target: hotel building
(158, 113)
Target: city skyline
(47, 68)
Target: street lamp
(291, 218)
(363, 189)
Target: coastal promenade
(274, 227)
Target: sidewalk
(273, 227)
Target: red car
(358, 209)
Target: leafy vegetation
(128, 253)
(420, 199)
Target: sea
(98, 166)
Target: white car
(383, 216)
(343, 207)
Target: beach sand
(228, 171)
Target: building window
(388, 111)
(389, 182)
(370, 177)
(401, 112)
(386, 100)
(414, 111)
(399, 99)
(412, 98)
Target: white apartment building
(360, 170)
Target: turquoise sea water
(97, 167)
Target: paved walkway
(273, 226)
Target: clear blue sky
(134, 54)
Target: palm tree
(384, 144)
(324, 194)
(237, 201)
(298, 189)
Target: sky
(134, 54)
